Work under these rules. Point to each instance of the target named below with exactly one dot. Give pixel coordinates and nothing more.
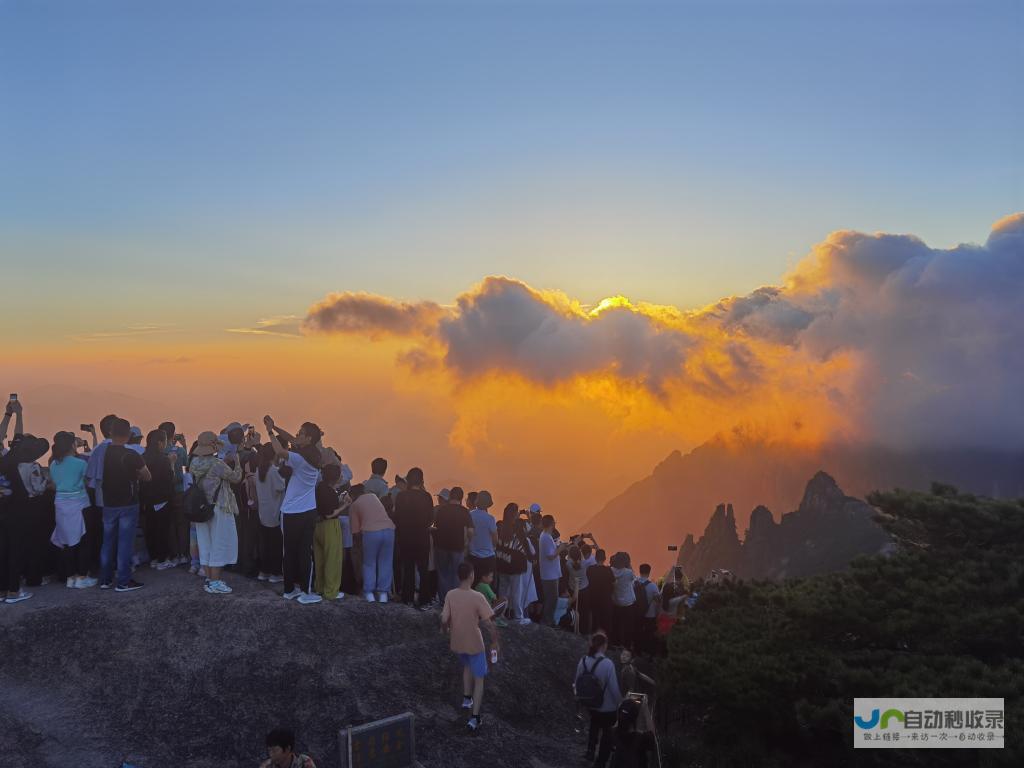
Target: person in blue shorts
(464, 610)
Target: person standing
(623, 602)
(155, 497)
(600, 586)
(327, 543)
(648, 604)
(597, 687)
(464, 609)
(67, 473)
(178, 456)
(576, 570)
(451, 537)
(512, 555)
(414, 515)
(550, 568)
(370, 521)
(298, 509)
(269, 488)
(218, 536)
(375, 483)
(123, 470)
(485, 534)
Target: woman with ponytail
(597, 688)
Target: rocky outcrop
(823, 534)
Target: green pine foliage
(766, 673)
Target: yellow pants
(327, 557)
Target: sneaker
(341, 596)
(131, 586)
(262, 577)
(467, 702)
(222, 588)
(166, 564)
(382, 597)
(275, 579)
(500, 623)
(293, 594)
(71, 582)
(523, 621)
(85, 582)
(202, 571)
(370, 598)
(154, 564)
(310, 598)
(22, 595)
(193, 569)
(209, 588)
(106, 585)
(475, 722)
(45, 580)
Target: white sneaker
(154, 564)
(262, 577)
(382, 597)
(293, 594)
(165, 565)
(221, 587)
(275, 579)
(85, 582)
(71, 582)
(22, 595)
(341, 596)
(183, 560)
(310, 598)
(370, 598)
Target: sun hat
(207, 444)
(31, 448)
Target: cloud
(288, 326)
(372, 315)
(131, 330)
(877, 336)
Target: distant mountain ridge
(661, 509)
(823, 534)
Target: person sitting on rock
(281, 751)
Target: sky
(174, 176)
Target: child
(484, 588)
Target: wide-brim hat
(31, 448)
(207, 444)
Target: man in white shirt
(550, 568)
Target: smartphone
(499, 607)
(85, 427)
(14, 395)
(179, 437)
(673, 548)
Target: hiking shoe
(293, 594)
(382, 597)
(310, 598)
(370, 598)
(22, 595)
(106, 585)
(474, 723)
(85, 582)
(131, 586)
(275, 579)
(467, 702)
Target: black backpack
(640, 592)
(197, 508)
(589, 690)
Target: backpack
(197, 508)
(589, 690)
(640, 593)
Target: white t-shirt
(550, 567)
(300, 496)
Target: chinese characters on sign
(928, 723)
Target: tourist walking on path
(464, 610)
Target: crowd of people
(285, 510)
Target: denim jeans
(447, 563)
(120, 522)
(378, 551)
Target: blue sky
(671, 152)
